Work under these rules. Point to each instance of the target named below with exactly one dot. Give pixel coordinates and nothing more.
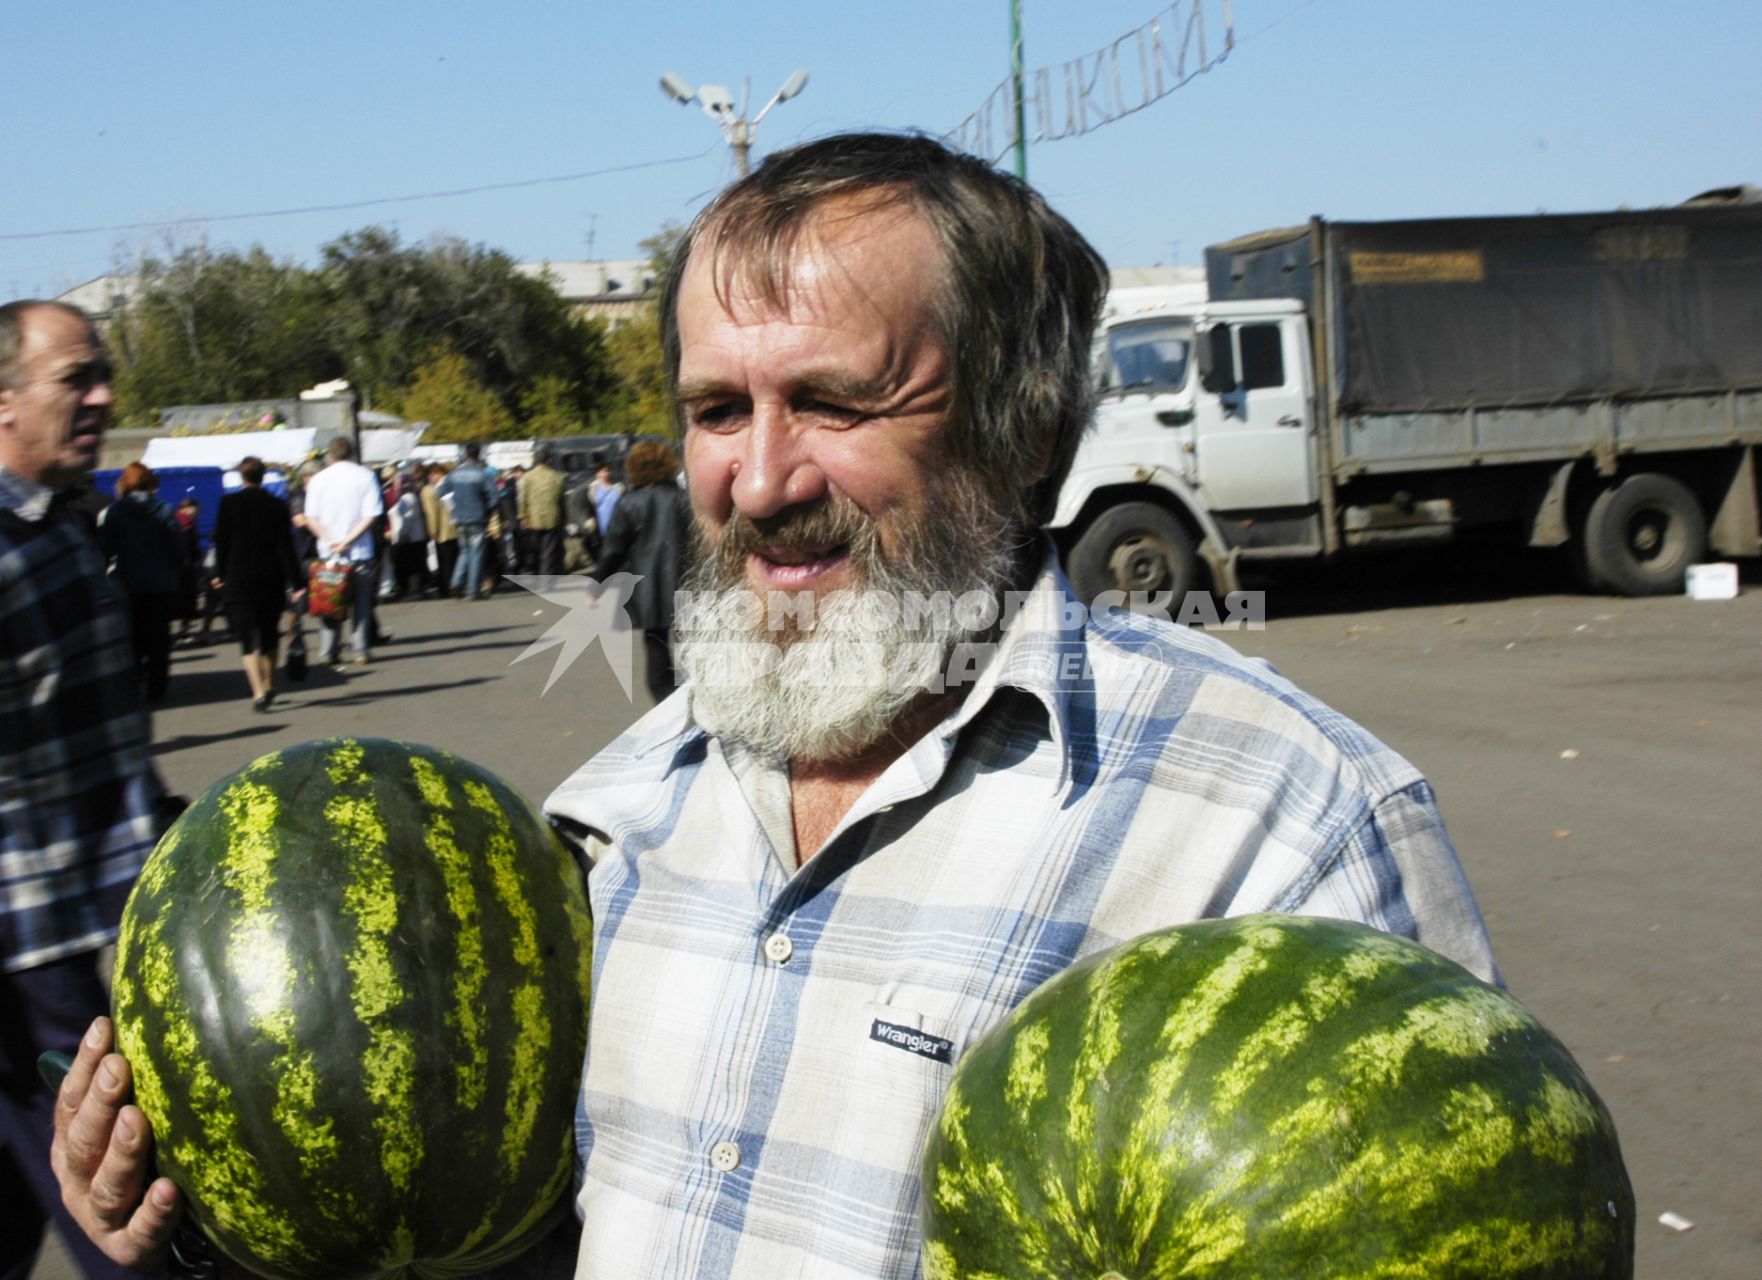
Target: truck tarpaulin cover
(1486, 312)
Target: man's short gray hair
(12, 317)
(1022, 295)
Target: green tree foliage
(444, 392)
(549, 408)
(659, 248)
(640, 399)
(212, 327)
(392, 302)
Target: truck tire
(1641, 536)
(1137, 546)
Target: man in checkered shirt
(79, 797)
(880, 813)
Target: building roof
(102, 297)
(599, 278)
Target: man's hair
(541, 457)
(341, 448)
(1020, 299)
(474, 451)
(12, 318)
(650, 462)
(136, 476)
(251, 470)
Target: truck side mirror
(1217, 361)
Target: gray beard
(830, 688)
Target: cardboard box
(1713, 582)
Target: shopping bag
(296, 663)
(327, 593)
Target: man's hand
(100, 1158)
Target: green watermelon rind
(1273, 1096)
(352, 984)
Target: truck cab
(1203, 445)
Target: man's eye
(712, 416)
(826, 409)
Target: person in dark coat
(255, 568)
(189, 573)
(141, 537)
(648, 536)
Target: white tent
(380, 445)
(288, 447)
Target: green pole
(1015, 70)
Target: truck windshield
(1147, 355)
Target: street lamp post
(718, 105)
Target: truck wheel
(1641, 536)
(1137, 546)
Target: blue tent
(204, 484)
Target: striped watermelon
(352, 982)
(1272, 1097)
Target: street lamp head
(716, 98)
(718, 104)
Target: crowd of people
(453, 531)
(409, 531)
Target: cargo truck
(1587, 382)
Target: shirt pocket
(904, 1057)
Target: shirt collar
(24, 496)
(1040, 652)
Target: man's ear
(8, 409)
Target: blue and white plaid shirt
(79, 798)
(770, 1043)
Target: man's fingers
(101, 1155)
(140, 1239)
(85, 1138)
(150, 1230)
(78, 1081)
(115, 1189)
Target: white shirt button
(725, 1156)
(779, 947)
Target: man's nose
(100, 395)
(776, 469)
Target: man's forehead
(849, 246)
(51, 334)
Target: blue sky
(158, 113)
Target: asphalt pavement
(1596, 760)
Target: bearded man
(845, 850)
(878, 814)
